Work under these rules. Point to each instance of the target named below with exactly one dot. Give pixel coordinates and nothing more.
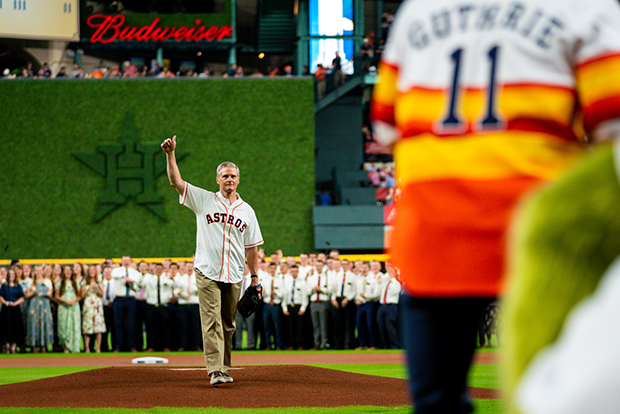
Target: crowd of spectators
(310, 302)
(131, 70)
(381, 177)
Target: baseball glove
(249, 301)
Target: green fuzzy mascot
(562, 242)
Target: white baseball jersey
(484, 101)
(224, 231)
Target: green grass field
(483, 375)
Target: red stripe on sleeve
(601, 111)
(382, 112)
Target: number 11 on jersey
(453, 123)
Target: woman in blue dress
(40, 328)
(11, 325)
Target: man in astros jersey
(227, 232)
(480, 101)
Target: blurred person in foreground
(562, 305)
(481, 99)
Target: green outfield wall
(82, 174)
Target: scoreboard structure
(40, 19)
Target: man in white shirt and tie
(126, 279)
(173, 308)
(141, 308)
(305, 269)
(375, 270)
(320, 290)
(344, 308)
(159, 290)
(367, 294)
(294, 304)
(108, 312)
(387, 315)
(188, 316)
(273, 290)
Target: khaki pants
(218, 307)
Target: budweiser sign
(111, 28)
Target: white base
(149, 360)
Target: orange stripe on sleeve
(598, 84)
(385, 94)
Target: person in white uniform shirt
(365, 320)
(320, 288)
(387, 315)
(305, 268)
(284, 271)
(294, 304)
(108, 312)
(227, 232)
(275, 258)
(173, 308)
(159, 290)
(272, 308)
(141, 308)
(188, 315)
(249, 321)
(259, 325)
(344, 308)
(375, 270)
(126, 279)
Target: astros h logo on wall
(130, 169)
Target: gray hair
(226, 164)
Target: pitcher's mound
(253, 387)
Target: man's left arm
(252, 257)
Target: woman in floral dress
(69, 320)
(92, 312)
(40, 329)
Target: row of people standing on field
(321, 302)
(58, 305)
(162, 295)
(49, 308)
(318, 302)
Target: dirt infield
(254, 387)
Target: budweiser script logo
(110, 28)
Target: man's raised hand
(169, 144)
